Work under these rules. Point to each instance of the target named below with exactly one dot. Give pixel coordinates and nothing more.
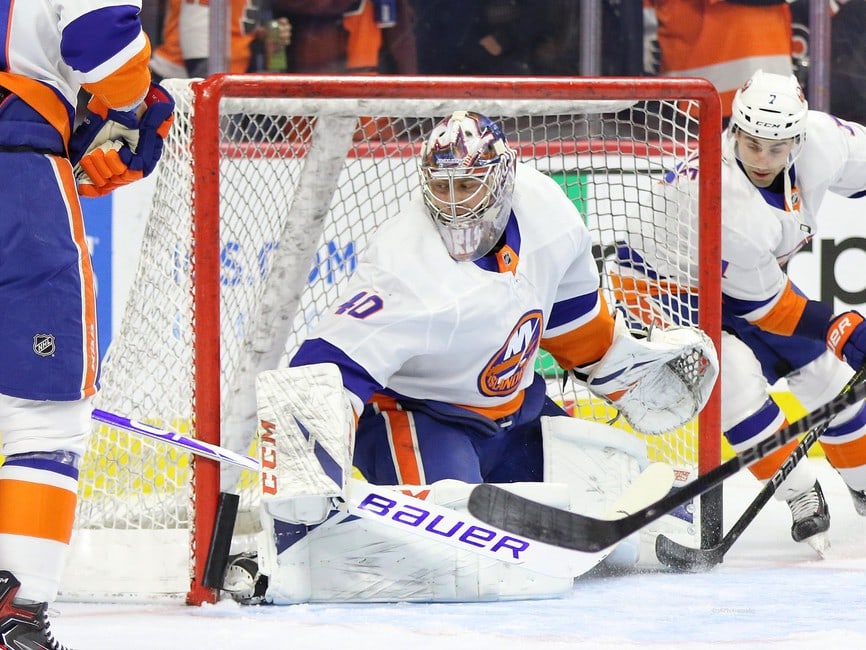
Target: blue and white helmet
(469, 145)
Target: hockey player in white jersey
(779, 160)
(48, 334)
(432, 349)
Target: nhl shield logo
(43, 345)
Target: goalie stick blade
(578, 532)
(516, 514)
(685, 558)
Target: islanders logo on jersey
(503, 373)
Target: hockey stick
(192, 445)
(429, 520)
(557, 527)
(685, 558)
(224, 520)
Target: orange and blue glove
(113, 148)
(846, 338)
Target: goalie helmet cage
(267, 190)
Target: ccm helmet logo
(772, 125)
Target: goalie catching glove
(659, 383)
(113, 148)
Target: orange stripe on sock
(767, 466)
(36, 510)
(845, 455)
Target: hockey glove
(846, 338)
(114, 148)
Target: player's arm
(120, 139)
(786, 311)
(657, 384)
(841, 156)
(104, 44)
(794, 314)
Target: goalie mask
(467, 180)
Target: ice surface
(770, 593)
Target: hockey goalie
(421, 380)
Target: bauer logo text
(455, 528)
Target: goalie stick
(429, 520)
(558, 527)
(198, 447)
(686, 558)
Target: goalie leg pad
(306, 433)
(284, 557)
(595, 460)
(599, 462)
(351, 559)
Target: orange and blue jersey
(185, 36)
(724, 42)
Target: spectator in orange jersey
(723, 41)
(185, 42)
(340, 36)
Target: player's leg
(844, 442)
(413, 443)
(750, 415)
(49, 371)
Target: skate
(242, 580)
(859, 499)
(23, 627)
(811, 519)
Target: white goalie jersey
(428, 327)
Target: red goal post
(270, 176)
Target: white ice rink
(770, 593)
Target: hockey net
(268, 191)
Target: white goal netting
(285, 193)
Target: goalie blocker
(329, 537)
